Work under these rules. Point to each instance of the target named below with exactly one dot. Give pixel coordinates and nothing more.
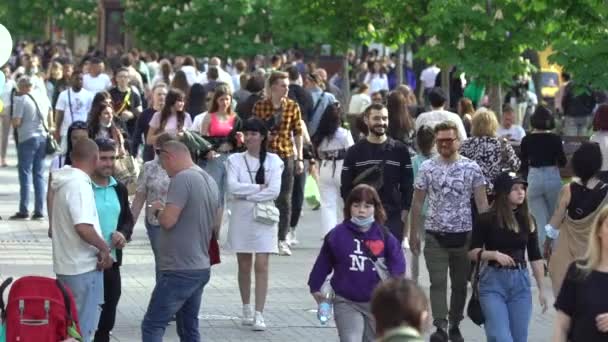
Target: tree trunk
(345, 82)
(445, 83)
(400, 62)
(495, 98)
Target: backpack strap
(3, 287)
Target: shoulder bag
(263, 212)
(374, 175)
(379, 263)
(52, 147)
(474, 310)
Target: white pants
(329, 187)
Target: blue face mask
(364, 222)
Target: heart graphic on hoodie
(375, 246)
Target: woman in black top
(541, 156)
(582, 304)
(501, 236)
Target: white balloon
(6, 45)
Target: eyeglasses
(445, 141)
(158, 151)
(108, 158)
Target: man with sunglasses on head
(448, 181)
(116, 223)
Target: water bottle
(325, 309)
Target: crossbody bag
(52, 147)
(263, 212)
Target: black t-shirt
(489, 233)
(133, 101)
(582, 298)
(542, 149)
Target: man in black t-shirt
(385, 164)
(127, 102)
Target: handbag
(126, 170)
(214, 251)
(52, 147)
(311, 192)
(263, 212)
(474, 310)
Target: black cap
(505, 181)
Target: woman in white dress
(253, 176)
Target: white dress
(244, 234)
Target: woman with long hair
(171, 119)
(180, 81)
(330, 144)
(253, 177)
(502, 237)
(542, 153)
(378, 254)
(165, 74)
(53, 81)
(221, 127)
(466, 112)
(578, 205)
(376, 77)
(582, 304)
(102, 125)
(401, 124)
(159, 93)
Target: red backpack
(39, 309)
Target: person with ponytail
(578, 205)
(253, 176)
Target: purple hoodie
(354, 275)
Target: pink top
(219, 128)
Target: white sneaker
(258, 322)
(247, 318)
(284, 248)
(292, 239)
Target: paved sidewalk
(290, 315)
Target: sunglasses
(158, 151)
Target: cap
(505, 181)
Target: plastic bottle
(325, 309)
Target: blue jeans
(153, 235)
(506, 301)
(544, 185)
(176, 293)
(30, 156)
(575, 126)
(88, 292)
(216, 168)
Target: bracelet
(551, 232)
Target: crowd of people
(206, 144)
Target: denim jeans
(153, 232)
(216, 168)
(30, 156)
(544, 185)
(176, 293)
(575, 126)
(506, 301)
(88, 292)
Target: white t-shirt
(197, 124)
(429, 75)
(75, 107)
(342, 139)
(73, 204)
(376, 82)
(435, 117)
(96, 84)
(171, 124)
(515, 133)
(358, 103)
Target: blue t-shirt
(108, 210)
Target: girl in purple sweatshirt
(354, 250)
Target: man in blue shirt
(116, 223)
(321, 100)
